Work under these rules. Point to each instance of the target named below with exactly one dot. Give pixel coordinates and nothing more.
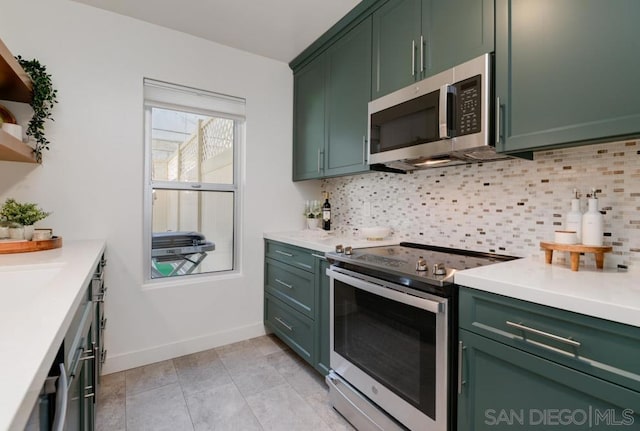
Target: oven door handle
(387, 291)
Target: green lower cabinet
(323, 320)
(292, 327)
(505, 388)
(296, 301)
(566, 72)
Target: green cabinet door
(348, 93)
(396, 46)
(309, 120)
(507, 389)
(323, 318)
(566, 71)
(456, 31)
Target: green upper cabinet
(397, 27)
(330, 108)
(348, 93)
(566, 71)
(308, 120)
(414, 39)
(459, 31)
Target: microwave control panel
(469, 106)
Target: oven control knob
(421, 264)
(439, 269)
(348, 250)
(339, 248)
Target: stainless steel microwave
(442, 120)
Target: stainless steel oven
(393, 319)
(391, 343)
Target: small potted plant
(312, 212)
(22, 216)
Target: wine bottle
(326, 212)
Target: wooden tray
(574, 251)
(29, 246)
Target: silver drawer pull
(280, 321)
(288, 286)
(319, 256)
(554, 337)
(284, 253)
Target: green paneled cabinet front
(458, 31)
(397, 27)
(508, 389)
(348, 93)
(308, 120)
(566, 71)
(322, 321)
(330, 108)
(414, 39)
(296, 306)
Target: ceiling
(278, 29)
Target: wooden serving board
(29, 246)
(574, 252)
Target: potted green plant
(23, 215)
(312, 212)
(44, 97)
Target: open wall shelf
(15, 85)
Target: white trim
(138, 358)
(171, 96)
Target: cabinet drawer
(292, 327)
(507, 389)
(290, 285)
(599, 347)
(295, 256)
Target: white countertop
(39, 293)
(607, 294)
(322, 241)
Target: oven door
(390, 343)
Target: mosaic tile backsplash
(504, 207)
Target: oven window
(392, 342)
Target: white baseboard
(126, 361)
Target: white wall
(92, 177)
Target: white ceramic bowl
(375, 233)
(566, 237)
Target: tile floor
(257, 384)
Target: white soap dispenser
(592, 222)
(573, 219)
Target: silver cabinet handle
(319, 256)
(421, 53)
(196, 186)
(86, 358)
(364, 150)
(498, 120)
(61, 401)
(289, 286)
(460, 353)
(413, 58)
(318, 160)
(554, 337)
(284, 253)
(282, 322)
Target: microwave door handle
(444, 109)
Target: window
(192, 141)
